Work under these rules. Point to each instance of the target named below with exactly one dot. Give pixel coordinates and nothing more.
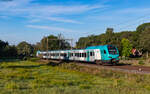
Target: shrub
(141, 62)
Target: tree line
(125, 41)
(24, 49)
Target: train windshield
(112, 49)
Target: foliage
(7, 51)
(143, 27)
(24, 49)
(126, 47)
(144, 40)
(26, 77)
(139, 38)
(2, 47)
(52, 43)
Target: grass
(137, 61)
(28, 77)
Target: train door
(97, 54)
(103, 54)
(88, 55)
(92, 55)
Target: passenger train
(98, 54)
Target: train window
(71, 54)
(112, 49)
(65, 55)
(80, 55)
(91, 53)
(84, 54)
(104, 51)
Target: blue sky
(31, 20)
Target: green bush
(141, 62)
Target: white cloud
(63, 20)
(49, 28)
(24, 8)
(57, 19)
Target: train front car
(110, 54)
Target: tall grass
(28, 77)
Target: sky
(31, 20)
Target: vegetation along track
(121, 67)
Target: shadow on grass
(56, 64)
(25, 67)
(10, 60)
(107, 64)
(122, 64)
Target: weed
(85, 86)
(12, 85)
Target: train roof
(88, 48)
(96, 47)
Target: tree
(2, 47)
(143, 27)
(24, 49)
(54, 43)
(144, 40)
(10, 51)
(126, 47)
(36, 48)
